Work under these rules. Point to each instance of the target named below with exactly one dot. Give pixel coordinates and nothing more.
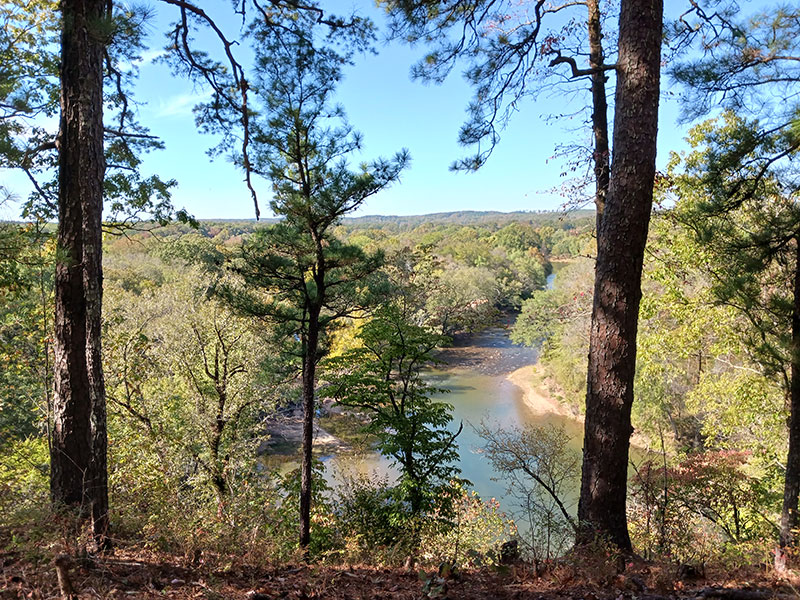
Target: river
(477, 374)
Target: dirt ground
(128, 574)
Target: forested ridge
(174, 390)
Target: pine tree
(621, 240)
(296, 274)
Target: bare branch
(576, 72)
(181, 33)
(129, 134)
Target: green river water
(476, 375)
(476, 372)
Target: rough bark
(620, 251)
(791, 489)
(78, 454)
(309, 384)
(599, 109)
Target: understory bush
(378, 525)
(363, 520)
(373, 521)
(479, 529)
(161, 507)
(24, 477)
(706, 508)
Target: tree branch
(576, 72)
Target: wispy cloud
(146, 58)
(151, 55)
(180, 105)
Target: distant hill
(472, 217)
(231, 231)
(462, 217)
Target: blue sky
(392, 112)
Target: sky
(392, 112)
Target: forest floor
(138, 574)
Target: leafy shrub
(286, 524)
(373, 521)
(478, 531)
(24, 480)
(705, 507)
(24, 472)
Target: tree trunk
(791, 489)
(309, 380)
(218, 469)
(78, 454)
(620, 253)
(599, 110)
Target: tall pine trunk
(78, 454)
(309, 384)
(791, 489)
(621, 240)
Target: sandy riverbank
(539, 398)
(536, 394)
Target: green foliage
(301, 145)
(161, 506)
(747, 65)
(740, 210)
(685, 336)
(455, 277)
(536, 322)
(519, 237)
(28, 76)
(374, 521)
(741, 409)
(465, 300)
(445, 297)
(166, 500)
(284, 274)
(25, 306)
(375, 525)
(324, 541)
(480, 529)
(558, 319)
(29, 99)
(24, 478)
(477, 218)
(194, 249)
(383, 377)
(187, 375)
